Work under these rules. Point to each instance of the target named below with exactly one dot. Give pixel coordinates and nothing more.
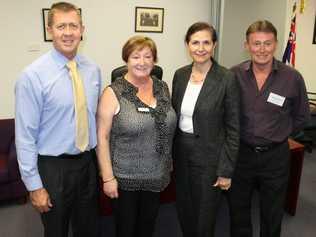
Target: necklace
(197, 76)
(195, 79)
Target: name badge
(142, 109)
(276, 99)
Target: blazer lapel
(182, 87)
(209, 87)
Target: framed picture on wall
(314, 35)
(47, 37)
(149, 19)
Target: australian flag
(289, 53)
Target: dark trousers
(268, 172)
(71, 182)
(196, 198)
(135, 213)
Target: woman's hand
(110, 188)
(223, 183)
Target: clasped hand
(223, 183)
(40, 200)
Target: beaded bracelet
(109, 179)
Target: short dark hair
(64, 7)
(138, 42)
(199, 26)
(262, 26)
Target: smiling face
(261, 47)
(140, 63)
(66, 31)
(201, 46)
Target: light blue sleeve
(28, 107)
(100, 82)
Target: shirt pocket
(278, 112)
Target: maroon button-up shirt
(264, 122)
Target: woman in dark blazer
(205, 97)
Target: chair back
(7, 134)
(122, 70)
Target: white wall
(108, 25)
(305, 50)
(237, 16)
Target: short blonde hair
(138, 43)
(64, 7)
(262, 26)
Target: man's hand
(40, 200)
(223, 183)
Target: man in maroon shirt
(274, 104)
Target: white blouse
(187, 107)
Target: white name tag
(276, 99)
(142, 109)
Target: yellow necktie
(81, 115)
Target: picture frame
(149, 19)
(47, 37)
(314, 35)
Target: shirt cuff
(33, 183)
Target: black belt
(68, 156)
(186, 134)
(261, 148)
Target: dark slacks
(135, 213)
(268, 172)
(196, 198)
(71, 182)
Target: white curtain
(216, 11)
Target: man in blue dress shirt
(61, 178)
